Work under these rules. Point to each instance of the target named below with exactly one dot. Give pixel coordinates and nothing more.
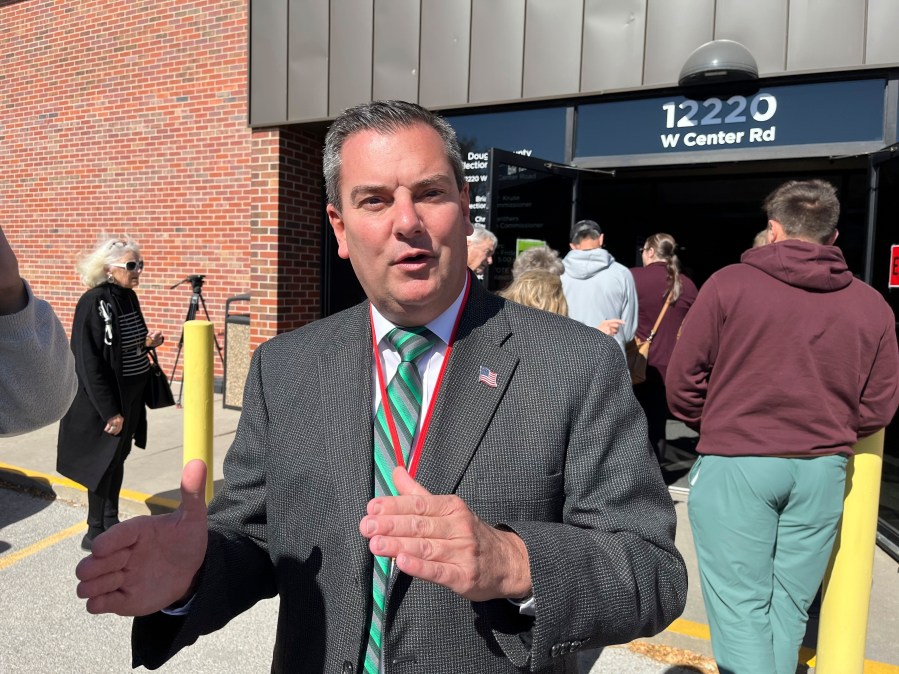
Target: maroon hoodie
(785, 353)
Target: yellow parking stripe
(688, 628)
(8, 560)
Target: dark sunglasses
(130, 265)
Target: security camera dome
(719, 61)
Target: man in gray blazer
(536, 523)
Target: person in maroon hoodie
(784, 361)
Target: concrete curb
(131, 503)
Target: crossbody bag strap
(652, 333)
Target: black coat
(84, 449)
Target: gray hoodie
(598, 288)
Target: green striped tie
(404, 393)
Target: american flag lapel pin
(487, 376)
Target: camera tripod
(196, 300)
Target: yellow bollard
(843, 625)
(197, 404)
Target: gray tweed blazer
(557, 452)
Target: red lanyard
(394, 436)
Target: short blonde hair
(538, 288)
(760, 239)
(93, 267)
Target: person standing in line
(110, 342)
(538, 257)
(481, 247)
(658, 281)
(534, 524)
(784, 362)
(537, 288)
(37, 371)
(760, 239)
(597, 287)
(543, 258)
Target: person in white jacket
(37, 369)
(596, 287)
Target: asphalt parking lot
(44, 626)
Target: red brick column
(286, 220)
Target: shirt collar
(442, 326)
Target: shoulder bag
(637, 350)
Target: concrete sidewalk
(152, 478)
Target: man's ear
(339, 228)
(775, 231)
(602, 240)
(832, 238)
(464, 196)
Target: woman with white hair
(110, 341)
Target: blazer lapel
(465, 404)
(345, 376)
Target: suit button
(348, 667)
(554, 651)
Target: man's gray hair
(385, 117)
(481, 233)
(539, 257)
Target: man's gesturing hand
(438, 539)
(147, 563)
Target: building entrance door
(529, 199)
(884, 233)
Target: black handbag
(158, 392)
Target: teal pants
(763, 528)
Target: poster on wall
(894, 266)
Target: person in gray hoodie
(596, 287)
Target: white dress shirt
(428, 364)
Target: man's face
(403, 222)
(480, 256)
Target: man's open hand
(147, 563)
(438, 539)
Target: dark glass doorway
(885, 225)
(714, 213)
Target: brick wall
(129, 117)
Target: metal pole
(846, 597)
(198, 396)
